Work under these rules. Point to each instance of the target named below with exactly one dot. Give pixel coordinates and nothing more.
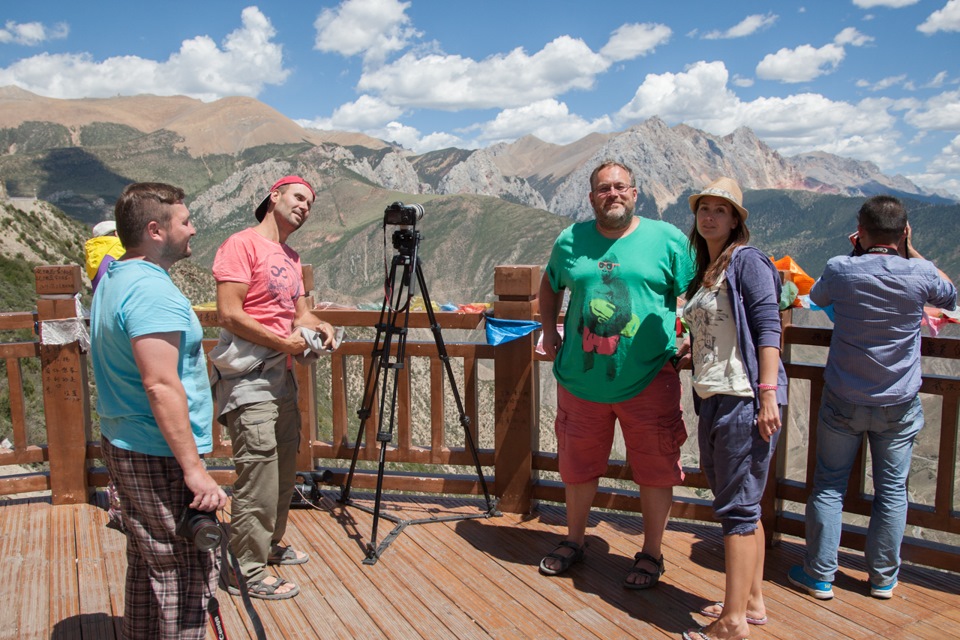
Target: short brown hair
(606, 164)
(139, 205)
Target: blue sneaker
(817, 588)
(884, 593)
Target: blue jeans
(890, 432)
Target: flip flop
(697, 634)
(566, 561)
(711, 614)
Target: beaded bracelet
(766, 387)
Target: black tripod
(392, 327)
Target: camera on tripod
(405, 216)
(400, 214)
(200, 527)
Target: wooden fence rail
(511, 454)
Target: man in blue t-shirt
(871, 387)
(156, 414)
(613, 362)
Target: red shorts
(652, 426)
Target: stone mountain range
(78, 155)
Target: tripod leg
(388, 416)
(380, 352)
(442, 351)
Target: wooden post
(66, 399)
(517, 390)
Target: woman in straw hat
(739, 384)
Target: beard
(614, 219)
(174, 252)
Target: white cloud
(946, 19)
(247, 61)
(940, 113)
(701, 98)
(741, 81)
(747, 26)
(32, 33)
(885, 83)
(410, 138)
(809, 121)
(697, 95)
(375, 28)
(891, 4)
(852, 37)
(548, 120)
(632, 40)
(801, 64)
(941, 172)
(514, 79)
(366, 112)
(937, 81)
(949, 159)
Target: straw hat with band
(262, 207)
(726, 188)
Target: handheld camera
(200, 527)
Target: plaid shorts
(169, 581)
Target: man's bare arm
(157, 356)
(549, 302)
(233, 318)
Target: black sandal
(654, 578)
(566, 561)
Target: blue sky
(873, 80)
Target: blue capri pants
(735, 459)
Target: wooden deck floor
(62, 573)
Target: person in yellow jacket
(102, 249)
(99, 251)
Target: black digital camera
(402, 214)
(200, 527)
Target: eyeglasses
(607, 266)
(605, 190)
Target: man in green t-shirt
(613, 361)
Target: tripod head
(406, 238)
(405, 241)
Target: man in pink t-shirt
(260, 299)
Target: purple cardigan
(754, 287)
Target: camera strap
(213, 607)
(884, 249)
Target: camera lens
(201, 528)
(206, 533)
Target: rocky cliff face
(480, 175)
(134, 136)
(669, 162)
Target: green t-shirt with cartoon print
(620, 324)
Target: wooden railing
(509, 433)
